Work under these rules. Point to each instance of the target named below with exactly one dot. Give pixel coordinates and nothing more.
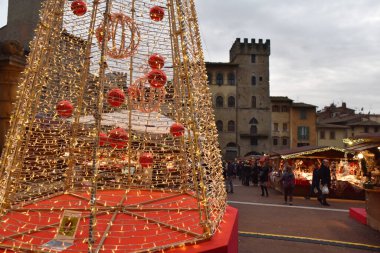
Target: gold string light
(136, 184)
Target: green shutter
(299, 133)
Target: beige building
(303, 119)
(293, 124)
(281, 128)
(336, 123)
(241, 101)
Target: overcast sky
(322, 51)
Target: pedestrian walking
(314, 187)
(264, 177)
(288, 183)
(239, 171)
(325, 181)
(230, 176)
(255, 173)
(246, 173)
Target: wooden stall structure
(345, 170)
(367, 147)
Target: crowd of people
(256, 172)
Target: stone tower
(241, 100)
(253, 102)
(22, 21)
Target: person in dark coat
(288, 183)
(230, 175)
(240, 170)
(314, 187)
(255, 173)
(264, 177)
(246, 173)
(325, 180)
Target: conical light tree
(112, 145)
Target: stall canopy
(363, 142)
(312, 152)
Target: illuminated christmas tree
(112, 145)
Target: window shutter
(299, 133)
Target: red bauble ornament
(116, 97)
(177, 129)
(146, 160)
(157, 13)
(156, 61)
(157, 78)
(65, 108)
(118, 138)
(103, 139)
(79, 7)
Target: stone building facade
(241, 100)
(12, 63)
(14, 46)
(23, 16)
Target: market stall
(367, 148)
(346, 175)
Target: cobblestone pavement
(267, 225)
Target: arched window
(219, 126)
(219, 79)
(231, 79)
(253, 80)
(231, 101)
(253, 101)
(231, 126)
(219, 102)
(253, 132)
(253, 121)
(231, 145)
(209, 78)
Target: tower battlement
(245, 47)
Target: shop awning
(363, 146)
(312, 152)
(363, 142)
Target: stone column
(12, 63)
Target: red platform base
(359, 214)
(224, 241)
(128, 220)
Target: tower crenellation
(252, 47)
